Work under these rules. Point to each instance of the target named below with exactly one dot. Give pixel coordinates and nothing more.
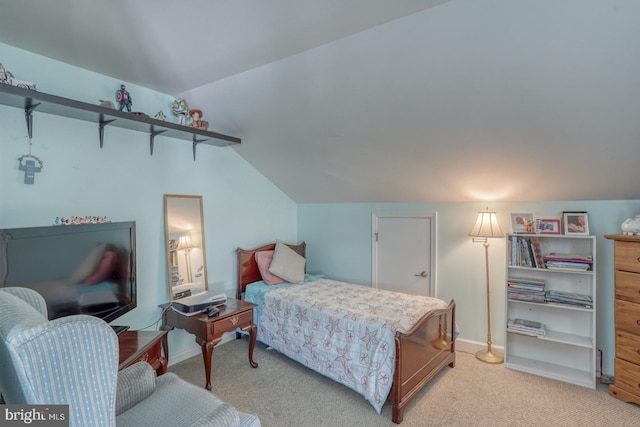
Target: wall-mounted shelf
(32, 100)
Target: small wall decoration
(575, 222)
(548, 226)
(522, 223)
(29, 167)
(77, 220)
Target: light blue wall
(339, 244)
(124, 182)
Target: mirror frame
(173, 252)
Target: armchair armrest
(135, 383)
(223, 415)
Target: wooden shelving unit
(35, 101)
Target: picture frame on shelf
(575, 223)
(522, 223)
(548, 226)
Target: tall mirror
(184, 237)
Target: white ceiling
(382, 101)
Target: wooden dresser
(627, 318)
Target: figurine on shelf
(123, 98)
(197, 122)
(160, 116)
(180, 108)
(4, 77)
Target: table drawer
(627, 316)
(628, 347)
(627, 256)
(151, 356)
(627, 376)
(628, 286)
(229, 324)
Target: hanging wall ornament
(30, 164)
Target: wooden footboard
(421, 353)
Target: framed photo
(522, 223)
(548, 226)
(575, 223)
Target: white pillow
(287, 264)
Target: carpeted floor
(284, 393)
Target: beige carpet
(284, 393)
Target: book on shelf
(571, 298)
(575, 262)
(525, 252)
(526, 327)
(521, 289)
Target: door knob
(423, 274)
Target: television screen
(78, 269)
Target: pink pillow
(263, 259)
(105, 269)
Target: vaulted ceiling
(381, 101)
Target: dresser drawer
(628, 347)
(627, 316)
(627, 256)
(628, 286)
(627, 376)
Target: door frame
(433, 243)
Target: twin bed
(384, 345)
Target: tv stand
(119, 329)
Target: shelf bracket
(103, 123)
(28, 115)
(195, 143)
(152, 135)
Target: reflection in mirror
(184, 237)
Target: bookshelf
(566, 350)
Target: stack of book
(531, 290)
(526, 327)
(572, 262)
(525, 252)
(569, 298)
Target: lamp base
(489, 356)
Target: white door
(404, 253)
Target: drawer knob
(145, 357)
(234, 320)
(638, 322)
(638, 259)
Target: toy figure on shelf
(197, 122)
(160, 116)
(123, 98)
(180, 108)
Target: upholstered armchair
(74, 360)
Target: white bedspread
(343, 331)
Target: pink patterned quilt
(341, 330)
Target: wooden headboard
(248, 268)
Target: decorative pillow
(263, 259)
(88, 265)
(105, 270)
(287, 264)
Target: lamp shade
(184, 242)
(486, 226)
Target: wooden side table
(235, 314)
(144, 346)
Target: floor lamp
(487, 227)
(184, 243)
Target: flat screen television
(78, 269)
